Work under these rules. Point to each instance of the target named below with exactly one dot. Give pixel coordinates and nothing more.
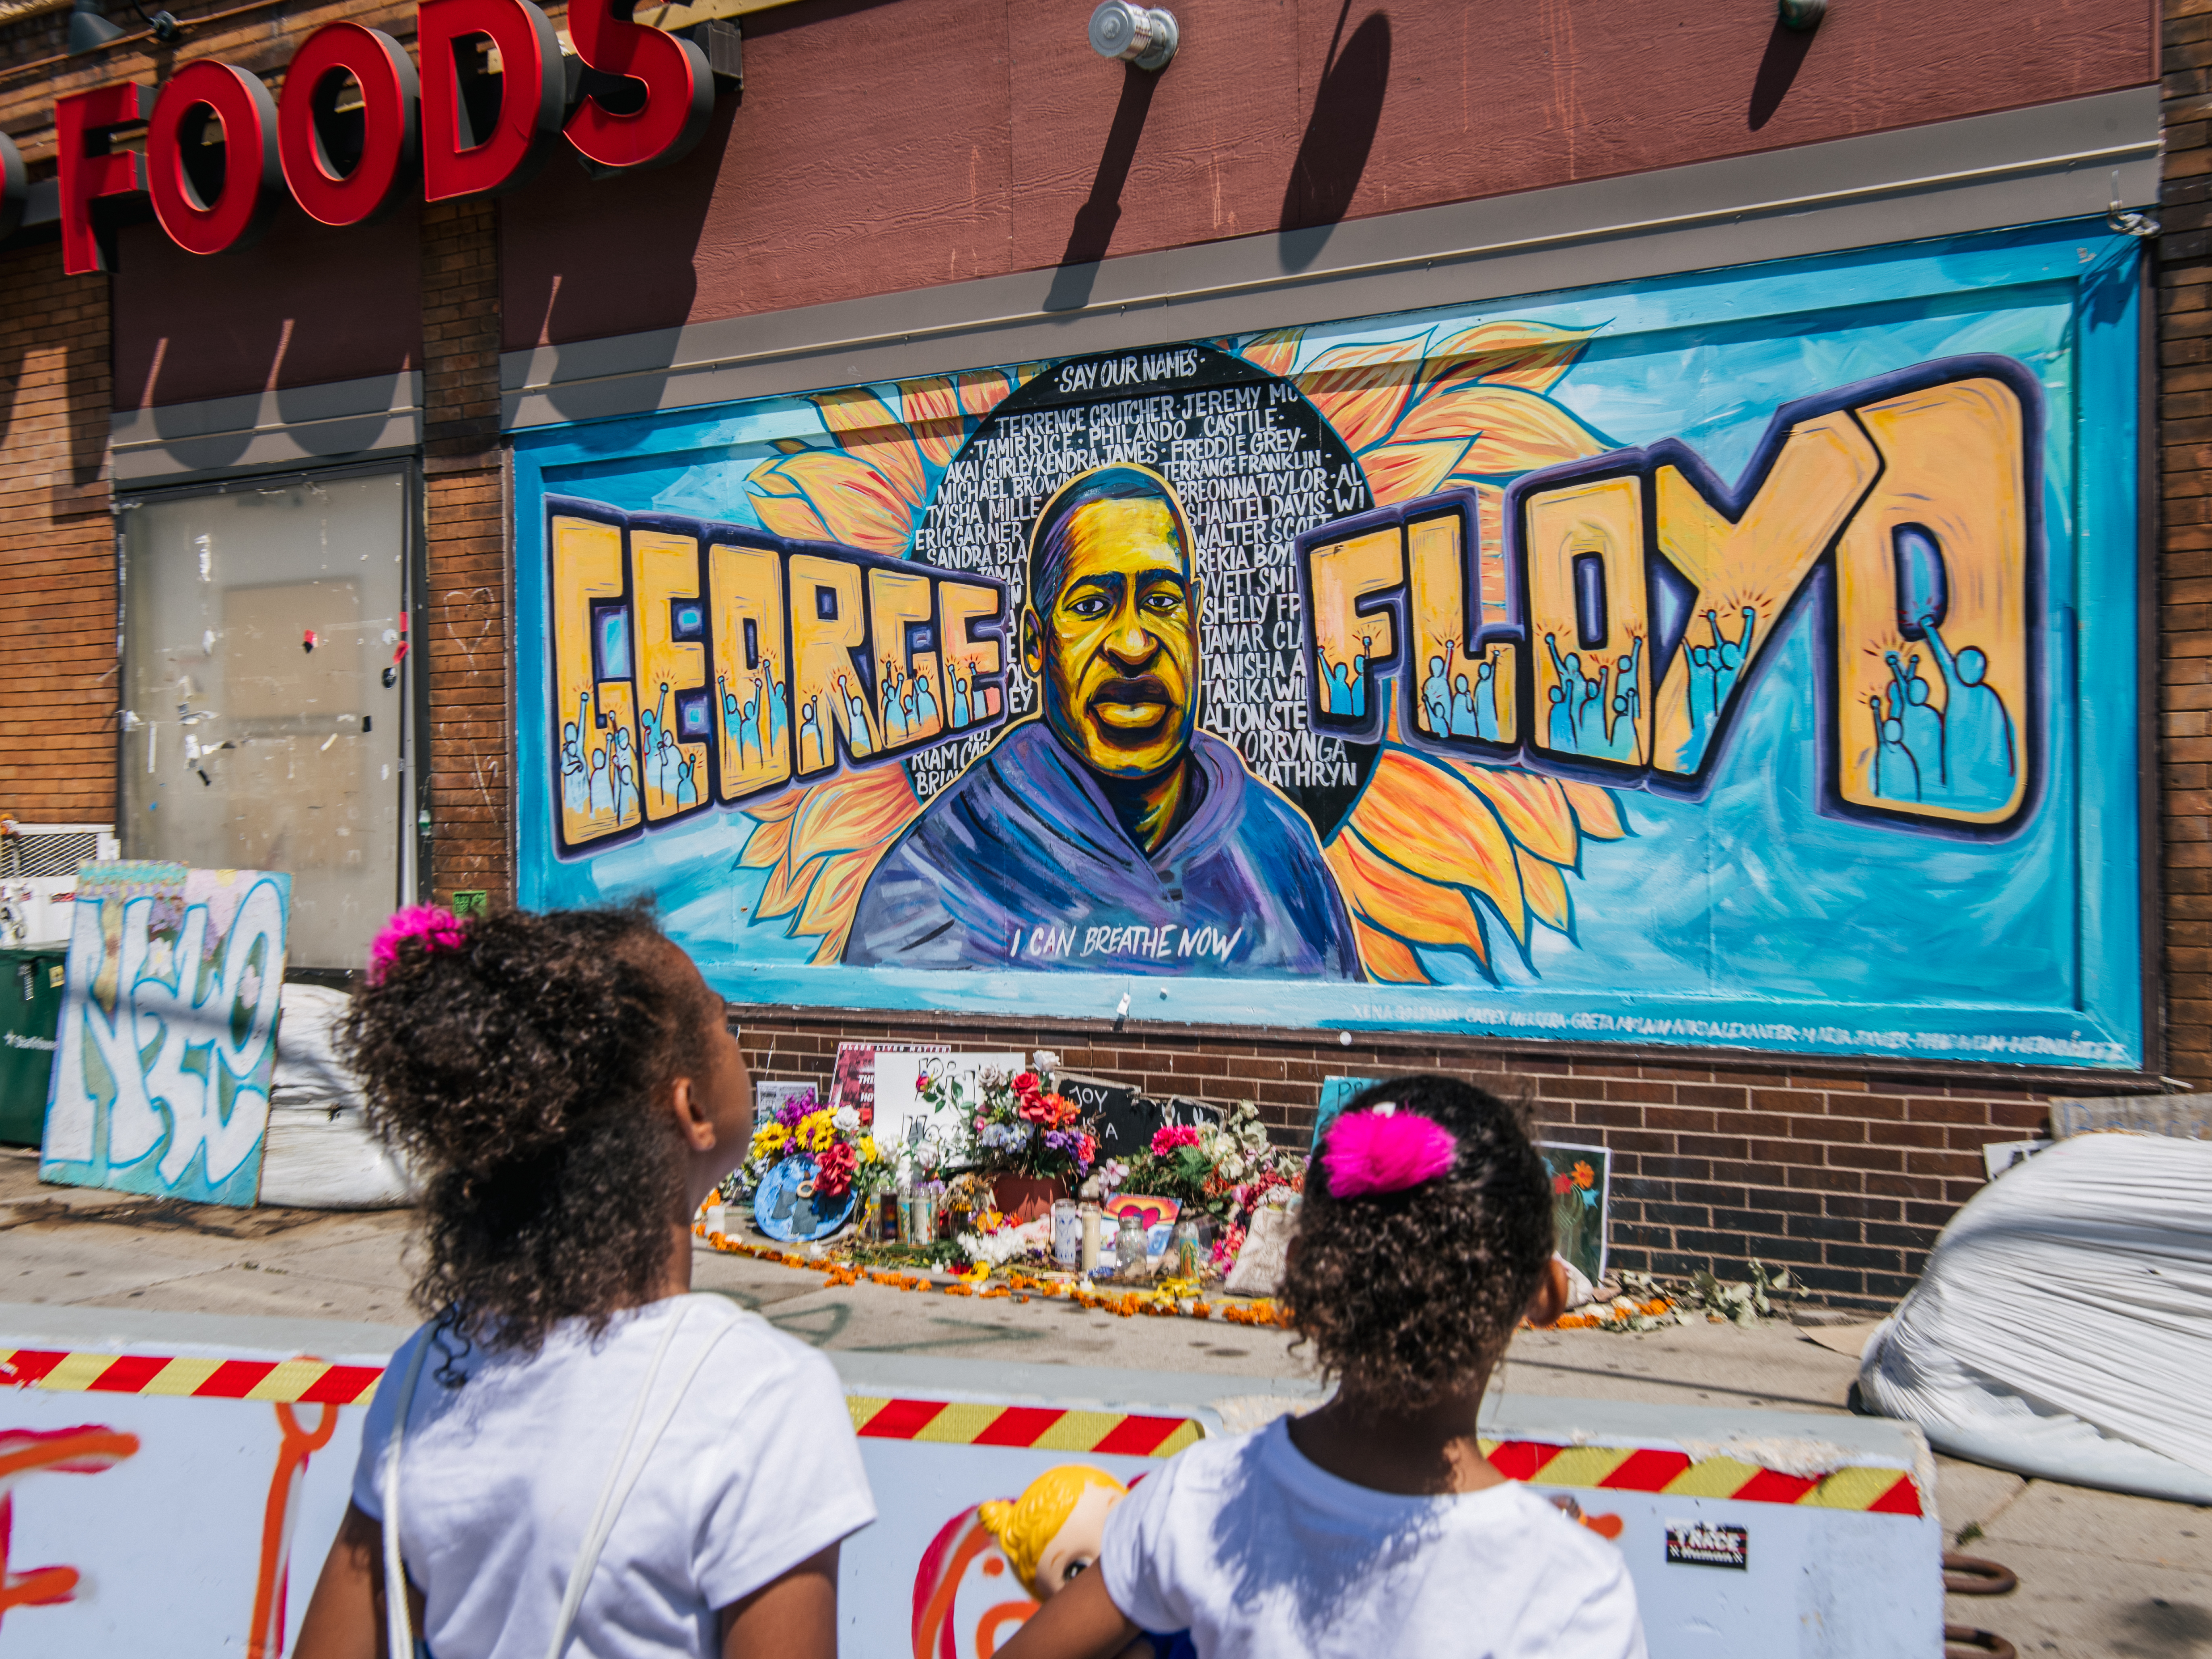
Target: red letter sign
(240, 212)
(678, 90)
(386, 76)
(457, 158)
(90, 169)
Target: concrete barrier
(169, 1483)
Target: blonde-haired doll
(1054, 1530)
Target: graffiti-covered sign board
(1745, 658)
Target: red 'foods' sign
(646, 99)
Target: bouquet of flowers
(1018, 1126)
(845, 1155)
(1212, 1166)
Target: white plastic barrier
(175, 1482)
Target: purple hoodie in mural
(1020, 861)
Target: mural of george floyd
(1728, 659)
(1654, 561)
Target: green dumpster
(30, 1014)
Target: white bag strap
(400, 1641)
(399, 1637)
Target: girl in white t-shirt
(575, 1454)
(1373, 1527)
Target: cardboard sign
(900, 1074)
(1126, 1119)
(854, 1081)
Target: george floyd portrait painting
(1110, 804)
(1746, 658)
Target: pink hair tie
(438, 929)
(1383, 1150)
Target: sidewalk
(2100, 1575)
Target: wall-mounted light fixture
(1803, 15)
(89, 29)
(1144, 36)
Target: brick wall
(56, 546)
(1844, 1175)
(464, 513)
(2185, 449)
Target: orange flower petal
(1361, 390)
(1386, 959)
(1524, 354)
(865, 425)
(1547, 890)
(1424, 817)
(1533, 808)
(932, 407)
(835, 895)
(1596, 810)
(1277, 351)
(1400, 472)
(1393, 896)
(1514, 431)
(856, 505)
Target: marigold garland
(1171, 1298)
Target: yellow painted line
(1713, 1477)
(959, 1423)
(181, 1375)
(1582, 1466)
(289, 1380)
(863, 1407)
(1852, 1488)
(1079, 1432)
(1187, 1434)
(78, 1373)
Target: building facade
(1652, 556)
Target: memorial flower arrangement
(845, 1154)
(1018, 1126)
(1213, 1167)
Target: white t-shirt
(1261, 1554)
(498, 1478)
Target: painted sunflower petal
(786, 889)
(1595, 810)
(932, 408)
(835, 895)
(1524, 354)
(1361, 390)
(1436, 825)
(853, 812)
(1533, 808)
(765, 847)
(866, 427)
(1394, 897)
(983, 389)
(1514, 431)
(1401, 472)
(782, 505)
(855, 504)
(1547, 890)
(1276, 351)
(1386, 959)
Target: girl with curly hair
(1374, 1525)
(574, 1448)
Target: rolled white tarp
(2063, 1326)
(320, 1154)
